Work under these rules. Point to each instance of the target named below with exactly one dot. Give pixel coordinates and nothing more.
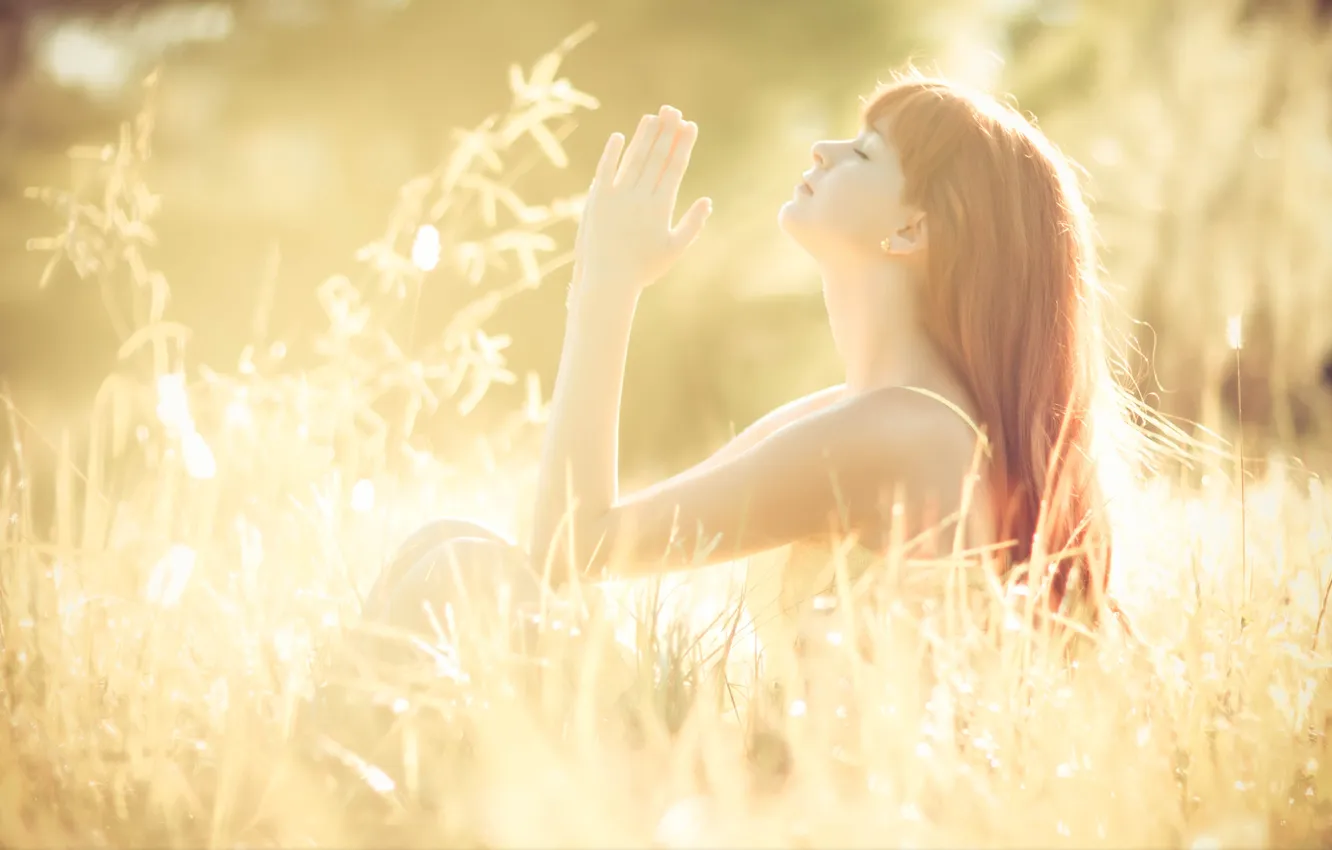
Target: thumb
(691, 224)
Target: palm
(626, 233)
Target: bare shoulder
(925, 437)
(894, 432)
(778, 419)
(907, 415)
(917, 415)
(807, 404)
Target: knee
(440, 541)
(476, 575)
(440, 531)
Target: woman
(959, 279)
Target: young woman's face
(849, 201)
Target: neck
(875, 326)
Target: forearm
(625, 241)
(580, 455)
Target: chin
(788, 221)
(799, 232)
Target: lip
(805, 188)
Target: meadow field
(182, 662)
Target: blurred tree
(1204, 127)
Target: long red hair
(1012, 301)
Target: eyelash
(860, 153)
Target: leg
(425, 542)
(456, 563)
(445, 564)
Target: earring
(887, 246)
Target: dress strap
(948, 403)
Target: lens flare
(173, 404)
(426, 248)
(1235, 332)
(363, 496)
(199, 461)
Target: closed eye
(860, 153)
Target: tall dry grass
(177, 669)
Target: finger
(660, 154)
(675, 168)
(610, 160)
(691, 224)
(605, 173)
(632, 164)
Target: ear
(909, 238)
(915, 234)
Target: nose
(821, 153)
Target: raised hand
(626, 239)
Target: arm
(625, 241)
(595, 347)
(579, 476)
(818, 474)
(823, 475)
(771, 421)
(766, 425)
(773, 484)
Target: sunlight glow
(199, 461)
(683, 823)
(172, 573)
(77, 55)
(102, 56)
(251, 545)
(173, 405)
(1235, 332)
(426, 248)
(239, 414)
(378, 780)
(363, 496)
(764, 700)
